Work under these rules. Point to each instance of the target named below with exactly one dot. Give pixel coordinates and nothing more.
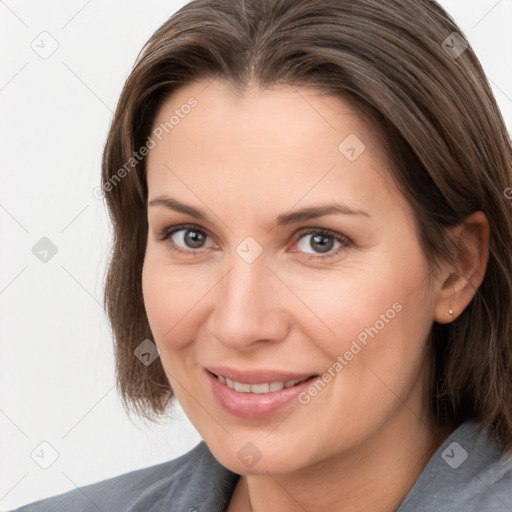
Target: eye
(316, 242)
(185, 239)
(322, 243)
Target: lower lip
(254, 405)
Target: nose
(249, 306)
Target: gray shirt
(467, 473)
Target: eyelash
(344, 241)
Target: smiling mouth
(262, 388)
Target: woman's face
(290, 254)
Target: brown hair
(401, 63)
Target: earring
(451, 310)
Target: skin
(243, 160)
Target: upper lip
(257, 376)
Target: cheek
(172, 298)
(169, 308)
(373, 362)
(163, 308)
(376, 311)
(342, 304)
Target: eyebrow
(281, 220)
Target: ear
(460, 280)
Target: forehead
(286, 140)
(258, 115)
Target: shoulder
(469, 472)
(184, 483)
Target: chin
(246, 455)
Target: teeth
(244, 388)
(259, 388)
(268, 387)
(276, 386)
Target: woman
(312, 254)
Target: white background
(57, 377)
